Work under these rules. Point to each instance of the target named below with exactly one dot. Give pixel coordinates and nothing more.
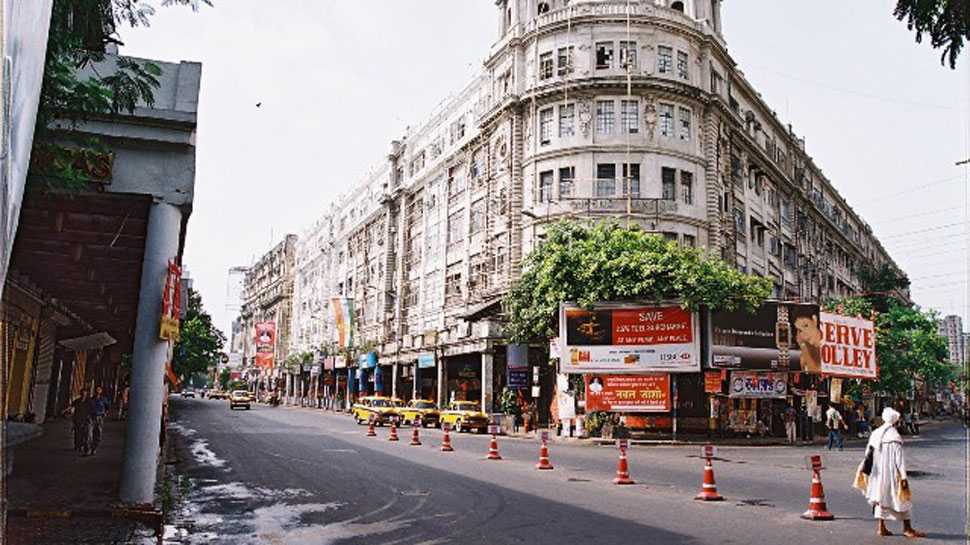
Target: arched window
(543, 7)
(679, 6)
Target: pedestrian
(99, 405)
(862, 416)
(790, 416)
(834, 422)
(887, 487)
(79, 410)
(123, 404)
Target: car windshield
(380, 403)
(239, 393)
(466, 406)
(424, 405)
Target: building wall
(267, 297)
(951, 328)
(565, 99)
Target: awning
(484, 310)
(88, 342)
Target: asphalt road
(301, 476)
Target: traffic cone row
(493, 449)
(393, 435)
(622, 470)
(415, 440)
(544, 457)
(708, 487)
(817, 510)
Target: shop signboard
(629, 339)
(518, 356)
(518, 379)
(265, 343)
(712, 382)
(367, 361)
(759, 385)
(848, 347)
(746, 340)
(425, 360)
(644, 393)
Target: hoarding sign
(265, 343)
(748, 384)
(712, 382)
(848, 347)
(629, 339)
(343, 319)
(753, 340)
(425, 361)
(518, 356)
(646, 393)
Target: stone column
(415, 375)
(487, 372)
(147, 389)
(394, 380)
(442, 376)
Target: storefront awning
(88, 342)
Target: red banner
(265, 343)
(628, 393)
(712, 382)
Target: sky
(337, 80)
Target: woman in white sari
(887, 489)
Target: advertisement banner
(848, 347)
(748, 340)
(265, 343)
(629, 339)
(712, 382)
(645, 393)
(343, 319)
(755, 385)
(425, 361)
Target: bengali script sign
(648, 393)
(748, 384)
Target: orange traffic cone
(493, 449)
(446, 442)
(709, 487)
(544, 457)
(622, 470)
(415, 440)
(393, 435)
(370, 429)
(817, 510)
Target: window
(564, 61)
(604, 55)
(682, 66)
(629, 116)
(628, 56)
(665, 60)
(605, 180)
(545, 186)
(690, 241)
(670, 237)
(715, 81)
(455, 231)
(543, 8)
(631, 179)
(545, 65)
(604, 116)
(477, 220)
(685, 122)
(567, 175)
(665, 113)
(567, 120)
(679, 6)
(668, 178)
(453, 284)
(545, 126)
(687, 187)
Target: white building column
(442, 376)
(147, 389)
(394, 379)
(415, 375)
(488, 366)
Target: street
(302, 476)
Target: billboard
(759, 385)
(646, 393)
(629, 339)
(343, 319)
(754, 340)
(264, 339)
(848, 347)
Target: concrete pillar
(394, 380)
(487, 372)
(415, 376)
(147, 391)
(442, 376)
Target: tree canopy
(606, 262)
(200, 343)
(946, 22)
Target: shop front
(464, 377)
(369, 378)
(425, 376)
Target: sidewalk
(58, 497)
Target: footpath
(56, 496)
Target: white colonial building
(584, 109)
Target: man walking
(790, 417)
(834, 422)
(79, 418)
(99, 405)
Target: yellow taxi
(424, 409)
(380, 408)
(465, 415)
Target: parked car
(379, 408)
(218, 394)
(188, 393)
(423, 408)
(240, 398)
(465, 415)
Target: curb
(152, 517)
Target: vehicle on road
(188, 393)
(218, 394)
(379, 408)
(464, 416)
(424, 409)
(240, 398)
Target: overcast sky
(338, 79)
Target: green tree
(946, 22)
(908, 344)
(224, 376)
(200, 343)
(80, 31)
(606, 262)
